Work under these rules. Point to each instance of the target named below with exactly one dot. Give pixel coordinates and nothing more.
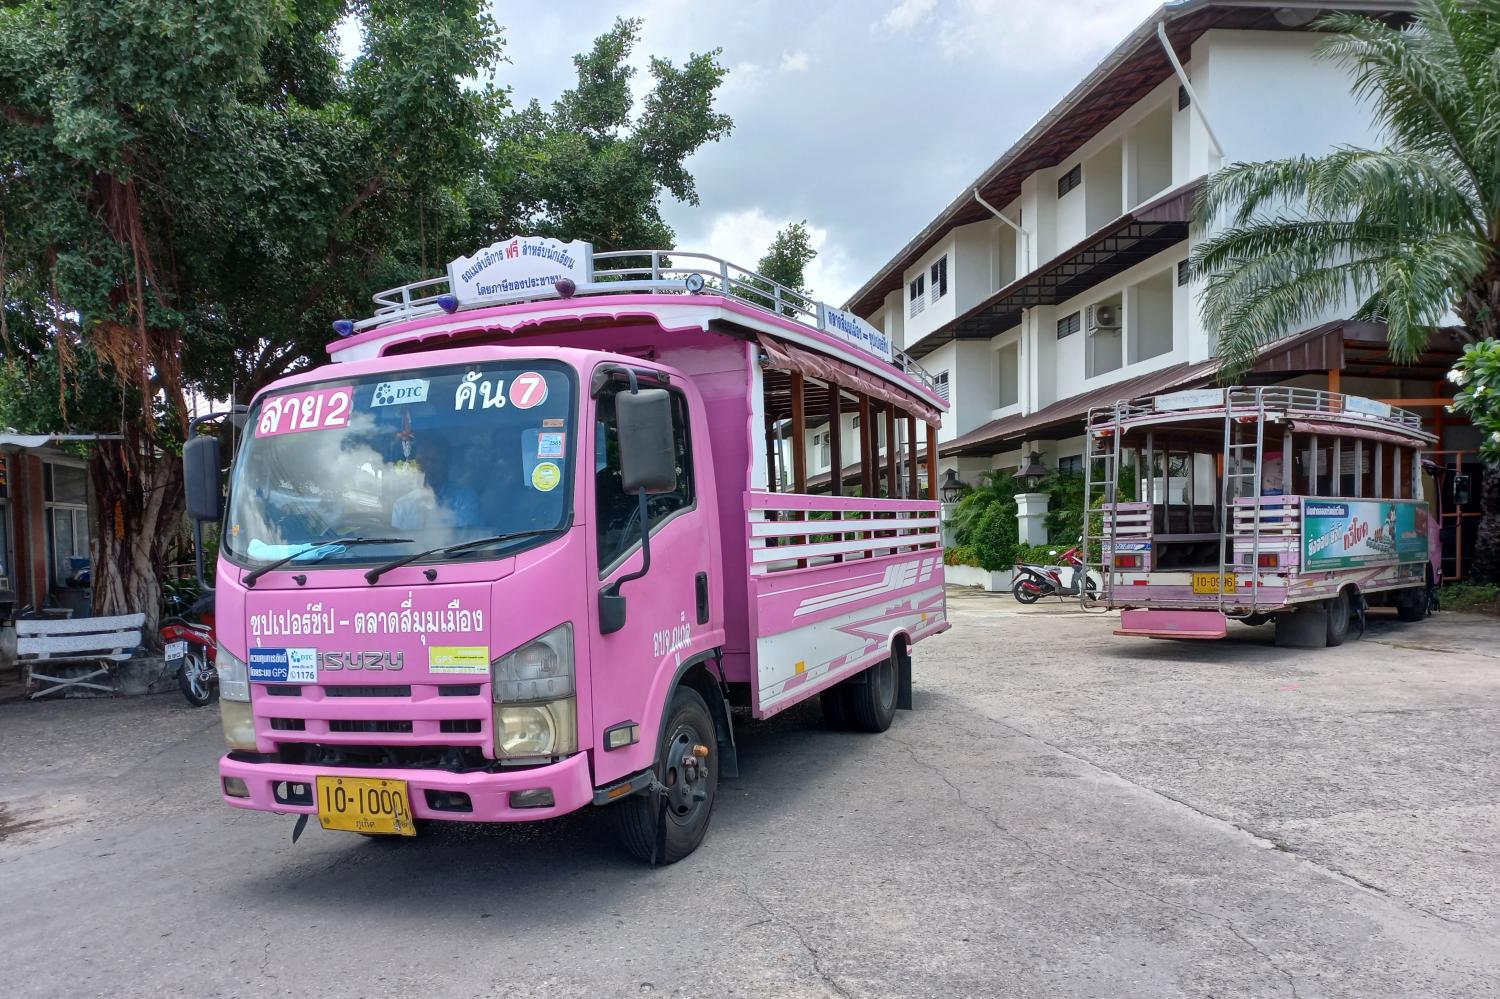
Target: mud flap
(1305, 628)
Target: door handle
(702, 583)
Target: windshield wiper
(381, 570)
(251, 577)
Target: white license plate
(176, 650)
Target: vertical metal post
(911, 456)
(1150, 490)
(932, 483)
(1359, 468)
(892, 481)
(1379, 470)
(799, 435)
(866, 451)
(835, 442)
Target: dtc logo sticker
(545, 477)
(399, 393)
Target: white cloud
(1028, 33)
(795, 62)
(907, 15)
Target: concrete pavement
(1064, 813)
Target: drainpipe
(1021, 359)
(1182, 77)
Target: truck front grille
(346, 725)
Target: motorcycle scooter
(1032, 582)
(190, 646)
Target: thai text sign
(519, 267)
(854, 330)
(1338, 534)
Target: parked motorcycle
(1032, 582)
(189, 644)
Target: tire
(199, 693)
(1339, 612)
(1414, 604)
(872, 702)
(1026, 591)
(1255, 620)
(835, 702)
(685, 816)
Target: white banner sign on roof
(519, 267)
(854, 330)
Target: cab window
(617, 514)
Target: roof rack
(615, 272)
(1287, 399)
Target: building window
(1183, 100)
(825, 449)
(940, 385)
(1182, 273)
(939, 276)
(65, 488)
(1068, 325)
(1070, 180)
(1009, 360)
(1071, 465)
(916, 292)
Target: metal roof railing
(1279, 401)
(616, 272)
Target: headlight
(549, 729)
(234, 677)
(540, 670)
(239, 723)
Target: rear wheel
(872, 703)
(1414, 604)
(1338, 619)
(1026, 590)
(666, 825)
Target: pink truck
(546, 526)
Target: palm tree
(1411, 230)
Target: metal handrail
(1280, 401)
(658, 271)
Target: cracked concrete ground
(1064, 813)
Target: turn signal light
(1268, 561)
(1127, 561)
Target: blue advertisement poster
(1341, 533)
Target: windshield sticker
(545, 477)
(473, 659)
(528, 389)
(553, 424)
(550, 445)
(283, 665)
(493, 392)
(399, 393)
(319, 409)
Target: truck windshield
(429, 458)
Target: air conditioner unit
(1104, 317)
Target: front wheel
(1026, 590)
(194, 680)
(666, 824)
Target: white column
(1031, 511)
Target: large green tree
(191, 190)
(1410, 231)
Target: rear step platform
(1173, 624)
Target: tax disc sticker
(545, 477)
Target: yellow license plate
(1208, 582)
(365, 805)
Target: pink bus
(545, 527)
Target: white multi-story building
(1057, 280)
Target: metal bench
(96, 640)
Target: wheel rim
(193, 669)
(686, 773)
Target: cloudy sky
(864, 117)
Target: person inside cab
(440, 500)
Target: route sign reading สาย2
(1338, 534)
(519, 267)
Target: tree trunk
(1486, 565)
(138, 509)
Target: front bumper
(569, 781)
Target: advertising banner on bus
(1341, 533)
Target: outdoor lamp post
(1033, 473)
(1031, 506)
(952, 490)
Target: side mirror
(1461, 488)
(648, 459)
(200, 474)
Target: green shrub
(1480, 598)
(1037, 554)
